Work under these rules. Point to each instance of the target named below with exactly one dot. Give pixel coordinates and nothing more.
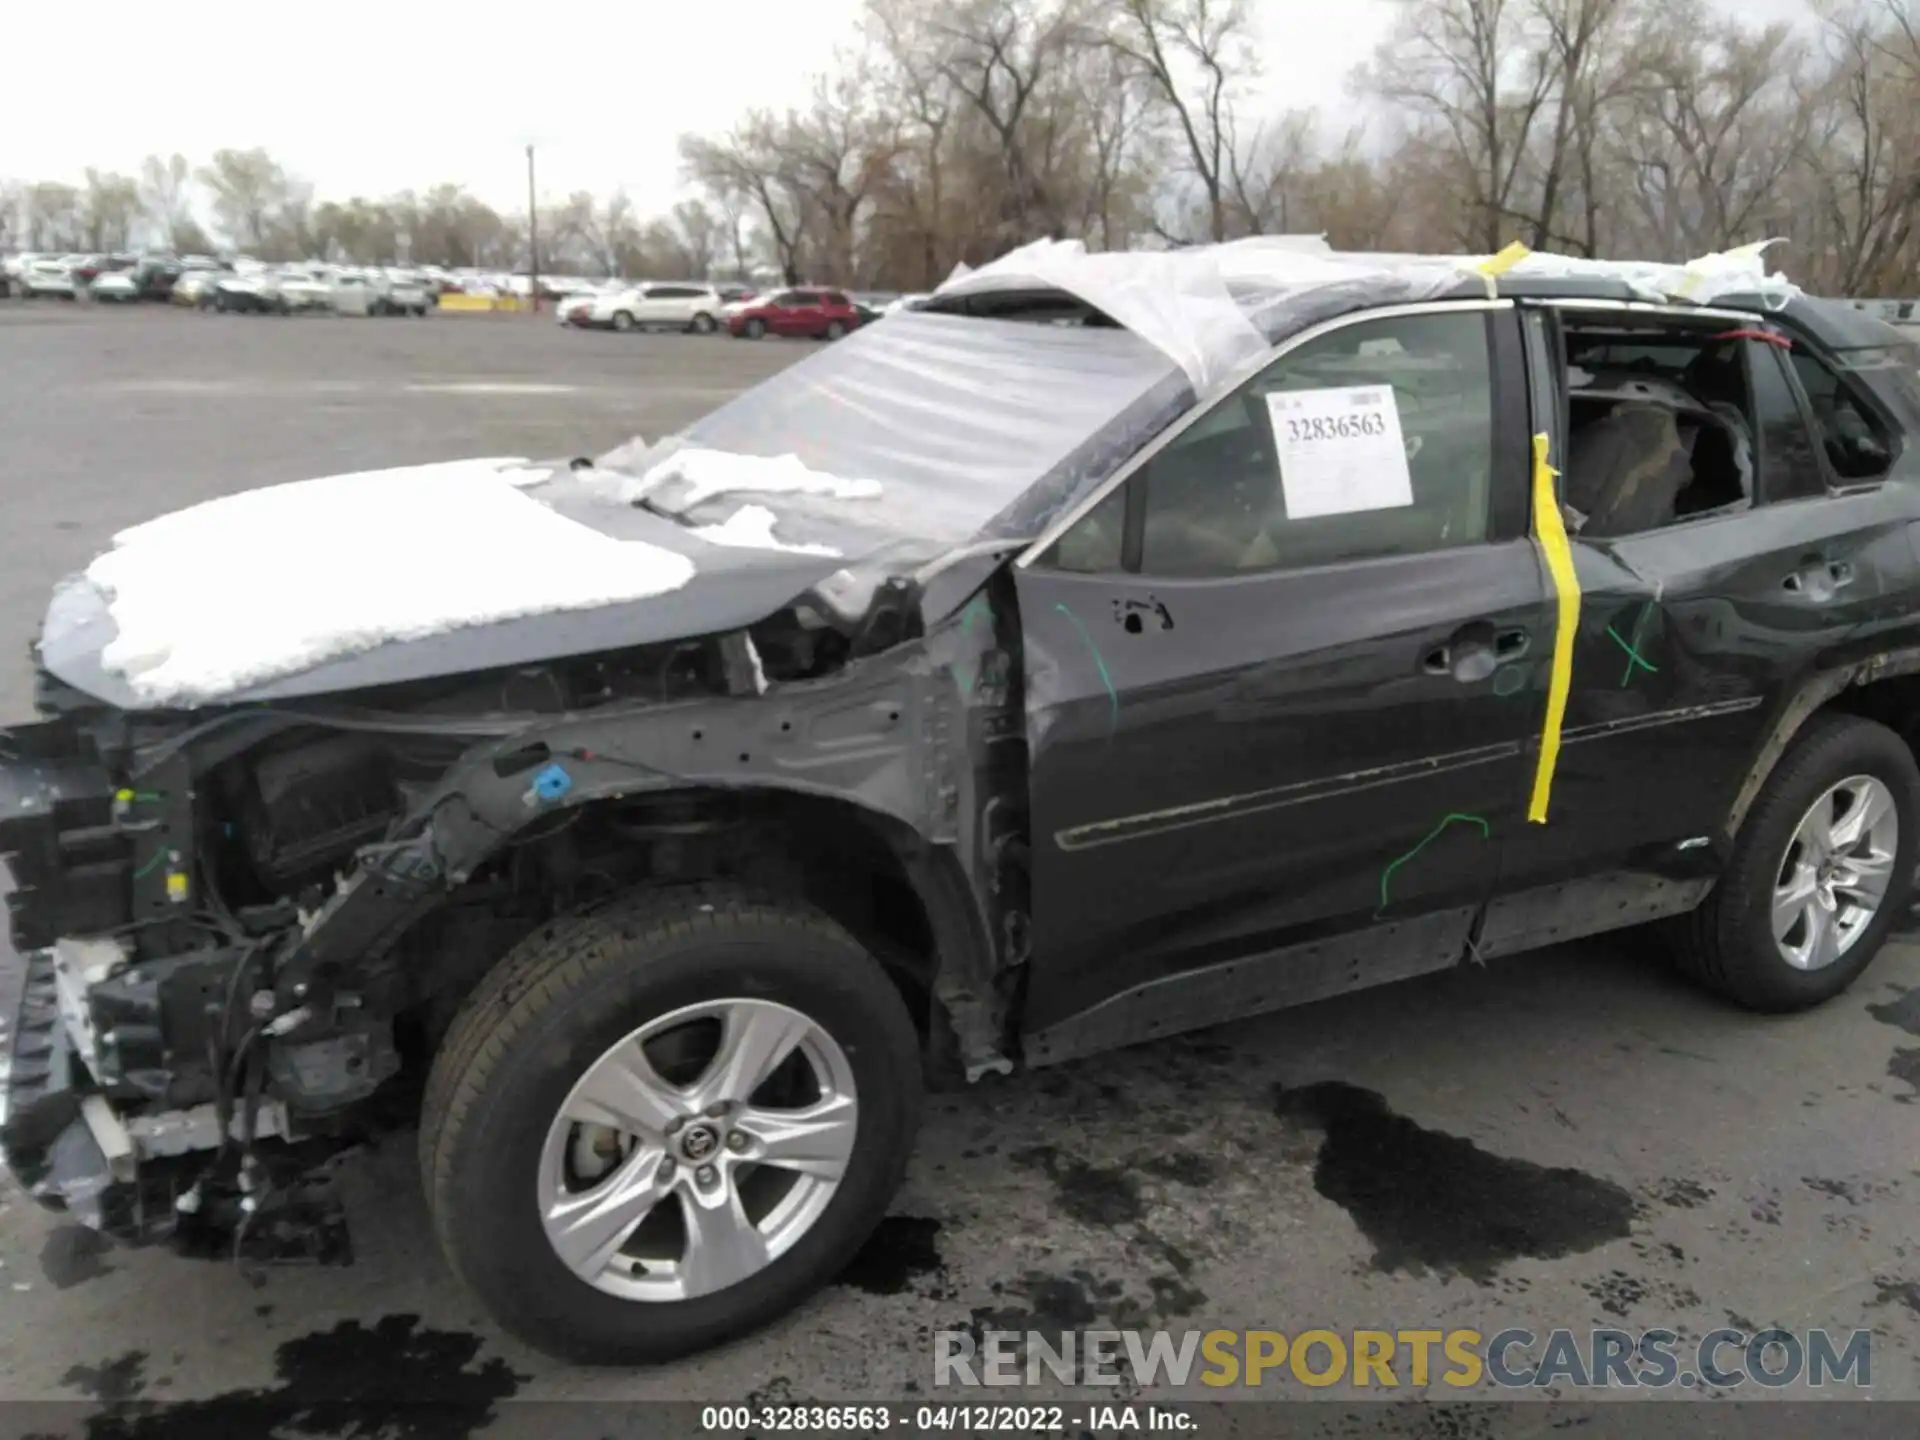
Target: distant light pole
(533, 238)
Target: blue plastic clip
(550, 784)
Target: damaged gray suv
(1106, 647)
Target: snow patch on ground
(751, 528)
(229, 594)
(708, 473)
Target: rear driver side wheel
(835, 330)
(703, 324)
(663, 1123)
(1820, 872)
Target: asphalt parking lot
(1568, 1139)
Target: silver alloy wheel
(1835, 873)
(748, 1176)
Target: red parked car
(816, 314)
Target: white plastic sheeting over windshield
(1194, 305)
(920, 425)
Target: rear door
(1262, 674)
(1698, 631)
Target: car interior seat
(1626, 470)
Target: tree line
(948, 131)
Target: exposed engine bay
(246, 929)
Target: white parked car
(675, 305)
(47, 277)
(374, 292)
(117, 286)
(299, 291)
(573, 309)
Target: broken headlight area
(157, 1082)
(238, 932)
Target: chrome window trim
(1647, 307)
(1224, 389)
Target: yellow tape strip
(1551, 536)
(1505, 260)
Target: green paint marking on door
(1386, 875)
(1632, 647)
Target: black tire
(554, 1005)
(1728, 943)
(835, 330)
(703, 324)
(622, 321)
(755, 329)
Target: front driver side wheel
(665, 1122)
(1819, 873)
(622, 321)
(755, 329)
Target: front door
(1263, 700)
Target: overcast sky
(368, 98)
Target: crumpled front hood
(376, 578)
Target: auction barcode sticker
(1340, 450)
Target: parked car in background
(377, 292)
(300, 291)
(901, 302)
(574, 309)
(667, 305)
(809, 314)
(194, 287)
(255, 292)
(115, 286)
(43, 278)
(872, 304)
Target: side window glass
(1789, 456)
(1375, 439)
(1092, 546)
(1856, 445)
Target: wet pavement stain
(1893, 1291)
(1681, 1194)
(1431, 1201)
(1091, 1194)
(1905, 1067)
(392, 1381)
(1902, 1013)
(111, 1383)
(1619, 1292)
(902, 1249)
(72, 1255)
(1182, 1167)
(1059, 1305)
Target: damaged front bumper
(118, 1003)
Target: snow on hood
(229, 594)
(708, 473)
(751, 528)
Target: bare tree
(700, 234)
(167, 199)
(749, 162)
(52, 217)
(248, 188)
(1193, 54)
(110, 204)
